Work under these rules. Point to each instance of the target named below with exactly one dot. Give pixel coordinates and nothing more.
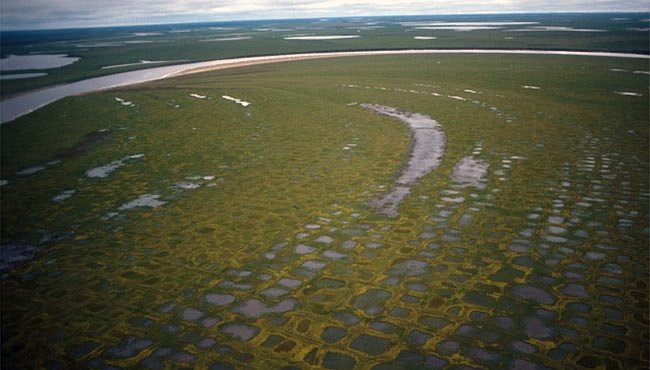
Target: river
(14, 107)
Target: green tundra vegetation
(98, 48)
(172, 227)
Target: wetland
(438, 211)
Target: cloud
(26, 14)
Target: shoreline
(250, 61)
(15, 107)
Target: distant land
(106, 50)
(430, 192)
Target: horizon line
(125, 25)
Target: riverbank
(17, 106)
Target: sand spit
(15, 107)
(428, 147)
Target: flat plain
(170, 225)
(103, 51)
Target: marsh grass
(279, 164)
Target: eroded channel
(428, 148)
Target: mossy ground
(570, 155)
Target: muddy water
(15, 107)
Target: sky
(44, 14)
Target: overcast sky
(39, 14)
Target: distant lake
(16, 106)
(40, 61)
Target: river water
(14, 107)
